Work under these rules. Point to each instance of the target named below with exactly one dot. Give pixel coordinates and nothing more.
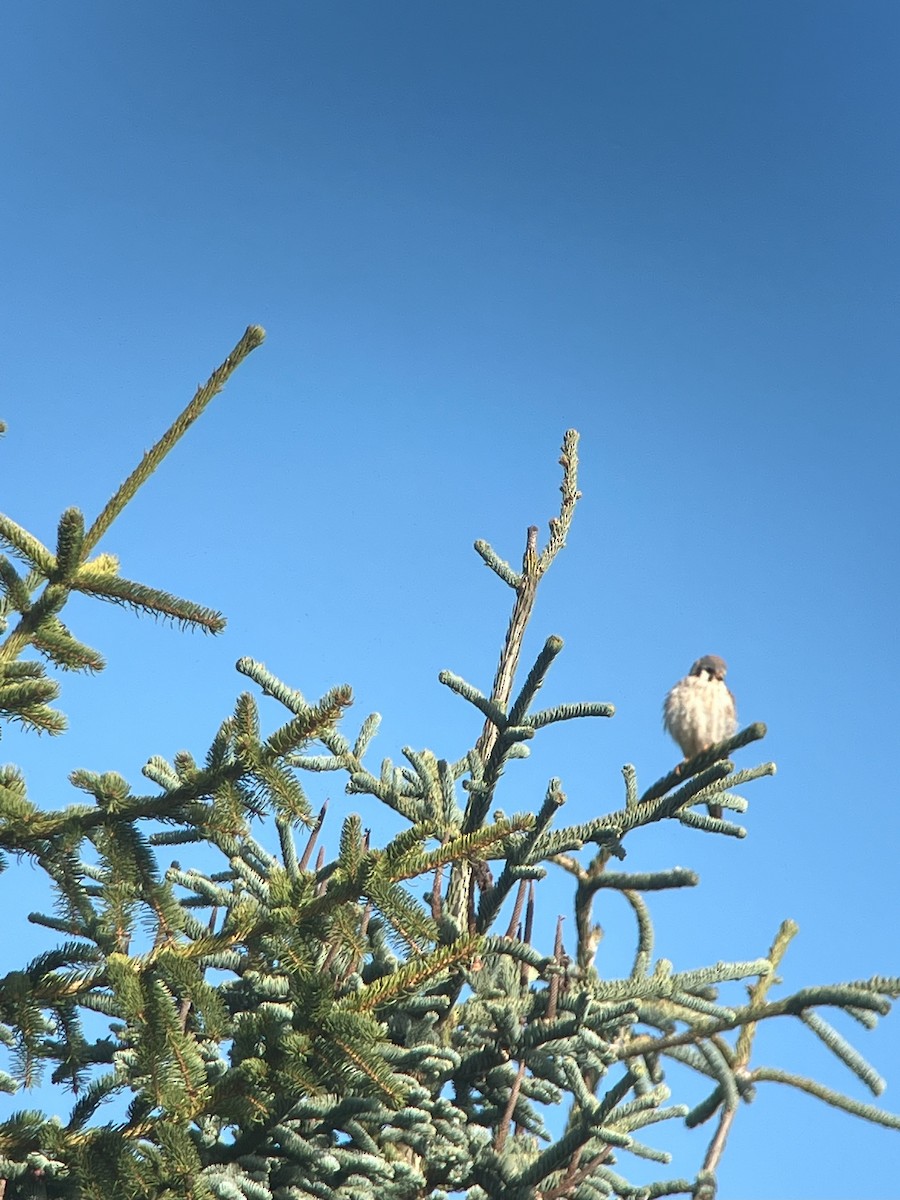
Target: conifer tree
(321, 1016)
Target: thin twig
(310, 845)
(437, 903)
(529, 914)
(320, 863)
(512, 645)
(506, 1119)
(716, 1147)
(575, 1175)
(558, 955)
(517, 909)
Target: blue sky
(466, 228)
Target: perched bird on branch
(699, 711)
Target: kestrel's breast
(699, 712)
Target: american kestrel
(699, 711)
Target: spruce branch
(868, 1112)
(493, 712)
(69, 543)
(568, 712)
(701, 762)
(646, 881)
(68, 570)
(534, 679)
(848, 1054)
(534, 566)
(17, 591)
(253, 337)
(153, 601)
(521, 856)
(24, 545)
(503, 730)
(55, 642)
(411, 977)
(498, 565)
(644, 950)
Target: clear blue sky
(467, 227)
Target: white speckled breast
(698, 712)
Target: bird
(700, 711)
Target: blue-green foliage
(318, 1016)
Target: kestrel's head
(712, 665)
